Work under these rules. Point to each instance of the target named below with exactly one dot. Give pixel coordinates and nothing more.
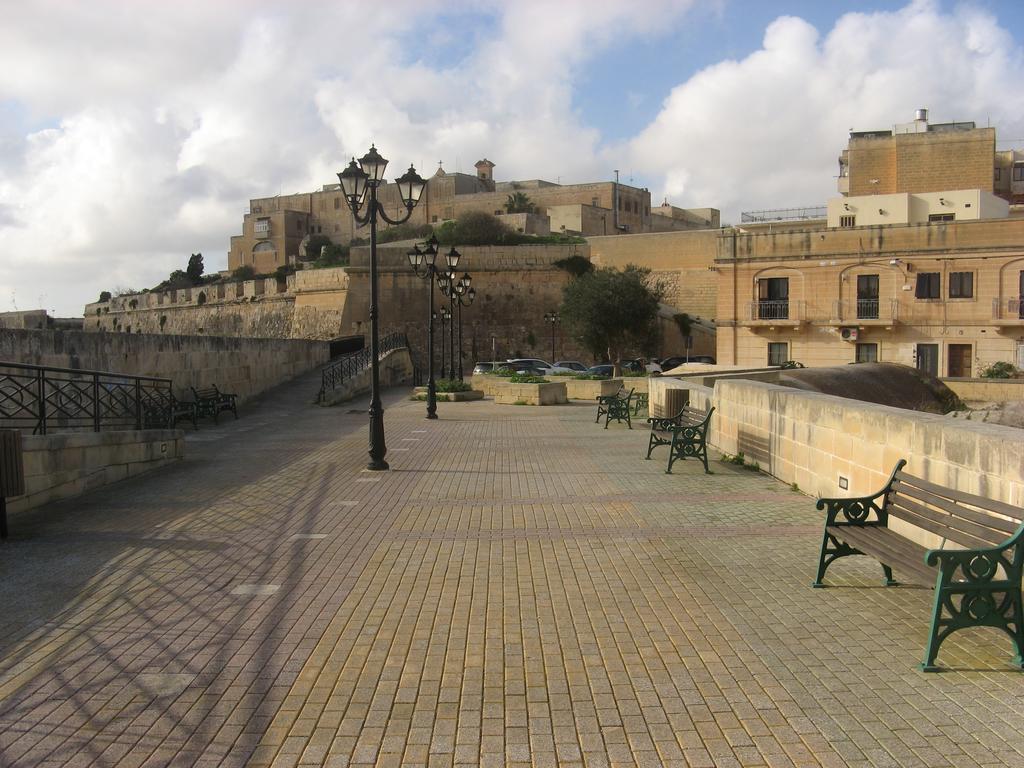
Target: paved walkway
(521, 589)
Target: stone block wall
(240, 365)
(987, 390)
(64, 465)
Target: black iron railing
(347, 366)
(867, 309)
(44, 399)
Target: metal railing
(45, 399)
(1008, 309)
(773, 309)
(347, 366)
(865, 309)
(784, 214)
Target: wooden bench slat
(959, 511)
(902, 555)
(1000, 507)
(907, 509)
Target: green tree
(519, 202)
(244, 272)
(104, 295)
(475, 228)
(194, 270)
(611, 311)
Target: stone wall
(64, 465)
(814, 440)
(243, 366)
(987, 390)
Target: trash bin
(12, 472)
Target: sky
(134, 133)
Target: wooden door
(959, 356)
(928, 358)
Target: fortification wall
(240, 365)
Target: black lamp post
(553, 318)
(359, 185)
(422, 262)
(465, 294)
(445, 317)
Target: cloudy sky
(133, 133)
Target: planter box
(590, 389)
(549, 393)
(488, 384)
(451, 397)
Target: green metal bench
(686, 434)
(977, 584)
(642, 401)
(210, 401)
(619, 410)
(157, 417)
(603, 402)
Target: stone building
(274, 227)
(919, 157)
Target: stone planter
(637, 383)
(549, 393)
(488, 384)
(590, 389)
(451, 397)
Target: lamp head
(466, 279)
(415, 257)
(410, 187)
(452, 258)
(373, 166)
(353, 183)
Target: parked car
(668, 363)
(489, 367)
(600, 370)
(538, 366)
(572, 365)
(605, 369)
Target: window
(593, 202)
(867, 353)
(927, 285)
(778, 352)
(941, 216)
(433, 219)
(498, 213)
(1018, 172)
(961, 285)
(847, 221)
(337, 203)
(867, 297)
(999, 174)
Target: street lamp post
(445, 317)
(425, 258)
(465, 294)
(359, 185)
(553, 318)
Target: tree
(610, 312)
(104, 295)
(519, 202)
(194, 270)
(244, 272)
(475, 228)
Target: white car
(542, 367)
(571, 365)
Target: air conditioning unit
(848, 334)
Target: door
(867, 297)
(959, 361)
(928, 358)
(773, 298)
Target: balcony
(865, 312)
(774, 312)
(1008, 311)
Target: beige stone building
(274, 227)
(942, 296)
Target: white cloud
(766, 131)
(136, 136)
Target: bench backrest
(969, 520)
(206, 392)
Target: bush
(589, 377)
(105, 296)
(1000, 370)
(244, 272)
(527, 378)
(334, 256)
(452, 385)
(575, 265)
(405, 232)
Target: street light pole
(426, 258)
(444, 335)
(465, 294)
(359, 188)
(553, 318)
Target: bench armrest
(978, 567)
(663, 423)
(856, 510)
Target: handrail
(347, 366)
(51, 399)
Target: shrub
(405, 232)
(452, 385)
(244, 272)
(575, 265)
(1000, 370)
(527, 378)
(105, 296)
